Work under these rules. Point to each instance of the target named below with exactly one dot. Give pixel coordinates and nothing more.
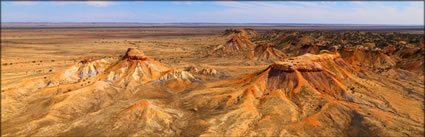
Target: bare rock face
(177, 81)
(334, 49)
(411, 59)
(267, 52)
(305, 91)
(309, 48)
(250, 33)
(406, 60)
(172, 74)
(135, 66)
(237, 45)
(228, 32)
(96, 92)
(363, 57)
(85, 69)
(134, 54)
(307, 95)
(330, 50)
(203, 71)
(368, 90)
(292, 74)
(389, 50)
(210, 72)
(408, 51)
(192, 69)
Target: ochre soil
(167, 82)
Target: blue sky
(332, 12)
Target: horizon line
(277, 23)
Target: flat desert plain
(28, 53)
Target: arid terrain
(211, 81)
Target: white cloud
(319, 12)
(99, 3)
(60, 3)
(256, 12)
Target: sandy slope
(168, 94)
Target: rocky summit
(273, 83)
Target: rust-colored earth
(236, 83)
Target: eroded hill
(309, 87)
